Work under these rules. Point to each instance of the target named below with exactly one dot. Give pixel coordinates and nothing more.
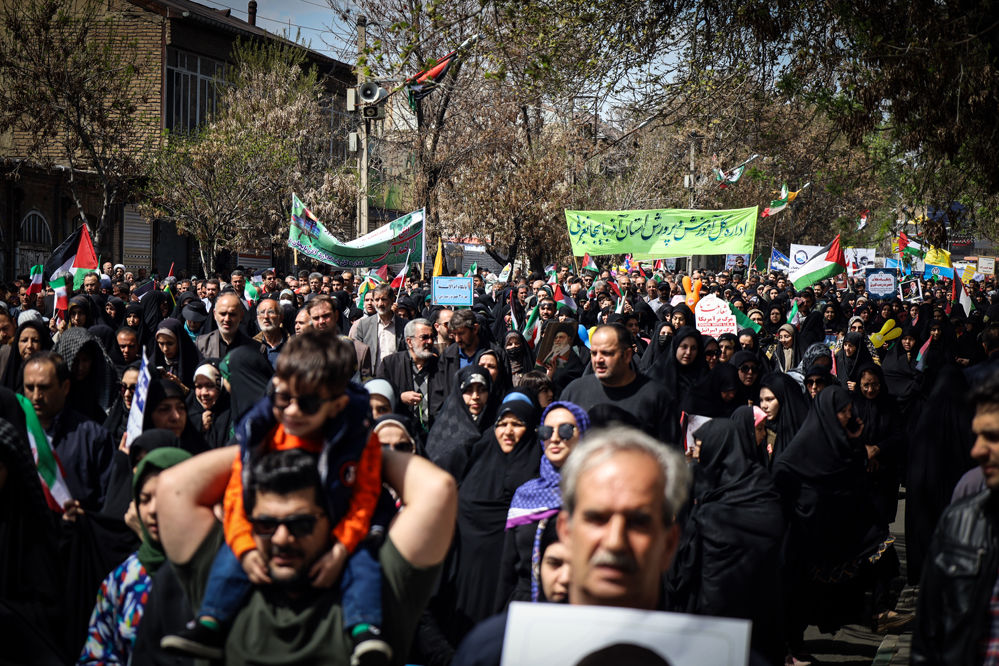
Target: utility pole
(362, 157)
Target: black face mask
(664, 339)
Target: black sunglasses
(308, 404)
(565, 431)
(128, 388)
(299, 526)
(746, 368)
(713, 352)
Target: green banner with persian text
(656, 234)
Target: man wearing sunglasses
(291, 529)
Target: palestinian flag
(792, 314)
(906, 246)
(145, 288)
(61, 294)
(826, 262)
(863, 220)
(732, 176)
(959, 294)
(250, 294)
(563, 300)
(425, 82)
(589, 264)
(382, 273)
(74, 255)
(37, 282)
(532, 329)
(49, 468)
(659, 265)
(921, 356)
(742, 320)
(400, 279)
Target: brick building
(187, 46)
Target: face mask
(664, 339)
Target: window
(35, 229)
(191, 89)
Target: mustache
(286, 551)
(622, 561)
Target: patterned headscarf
(540, 498)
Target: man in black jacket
(416, 374)
(957, 619)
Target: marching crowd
(332, 473)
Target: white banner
(133, 427)
(800, 253)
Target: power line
(273, 20)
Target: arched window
(35, 229)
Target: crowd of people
(335, 474)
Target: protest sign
(714, 317)
(385, 246)
(453, 291)
(654, 234)
(133, 427)
(800, 253)
(881, 282)
(987, 265)
(910, 290)
(731, 258)
(546, 634)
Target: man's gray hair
(315, 276)
(410, 330)
(599, 445)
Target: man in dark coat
(415, 374)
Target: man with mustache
(415, 374)
(621, 491)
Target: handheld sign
(133, 427)
(545, 634)
(453, 291)
(714, 317)
(881, 282)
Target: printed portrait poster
(549, 634)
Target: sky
(313, 18)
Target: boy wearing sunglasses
(310, 405)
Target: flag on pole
(783, 202)
(588, 264)
(938, 265)
(75, 255)
(658, 266)
(61, 294)
(959, 294)
(514, 324)
(564, 301)
(742, 320)
(532, 329)
(369, 283)
(473, 270)
(779, 261)
(46, 461)
(382, 272)
(439, 268)
(904, 245)
(504, 275)
(863, 220)
(250, 294)
(921, 356)
(792, 314)
(732, 176)
(37, 282)
(826, 262)
(400, 279)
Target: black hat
(195, 311)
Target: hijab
(792, 413)
(821, 451)
(13, 376)
(455, 430)
(704, 399)
(93, 395)
(520, 361)
(725, 473)
(676, 378)
(848, 367)
(540, 498)
(186, 361)
(151, 553)
(160, 389)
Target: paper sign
(860, 258)
(801, 253)
(987, 265)
(133, 427)
(547, 634)
(453, 291)
(713, 317)
(881, 282)
(730, 260)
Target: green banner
(655, 234)
(386, 245)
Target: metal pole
(362, 158)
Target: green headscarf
(151, 553)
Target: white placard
(987, 265)
(549, 634)
(713, 317)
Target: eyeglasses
(299, 526)
(424, 337)
(307, 404)
(814, 382)
(565, 431)
(746, 368)
(713, 352)
(128, 388)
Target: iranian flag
(473, 270)
(58, 285)
(589, 264)
(37, 282)
(74, 255)
(563, 300)
(399, 280)
(49, 468)
(784, 201)
(826, 262)
(250, 294)
(532, 329)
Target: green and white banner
(655, 234)
(385, 246)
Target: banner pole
(575, 266)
